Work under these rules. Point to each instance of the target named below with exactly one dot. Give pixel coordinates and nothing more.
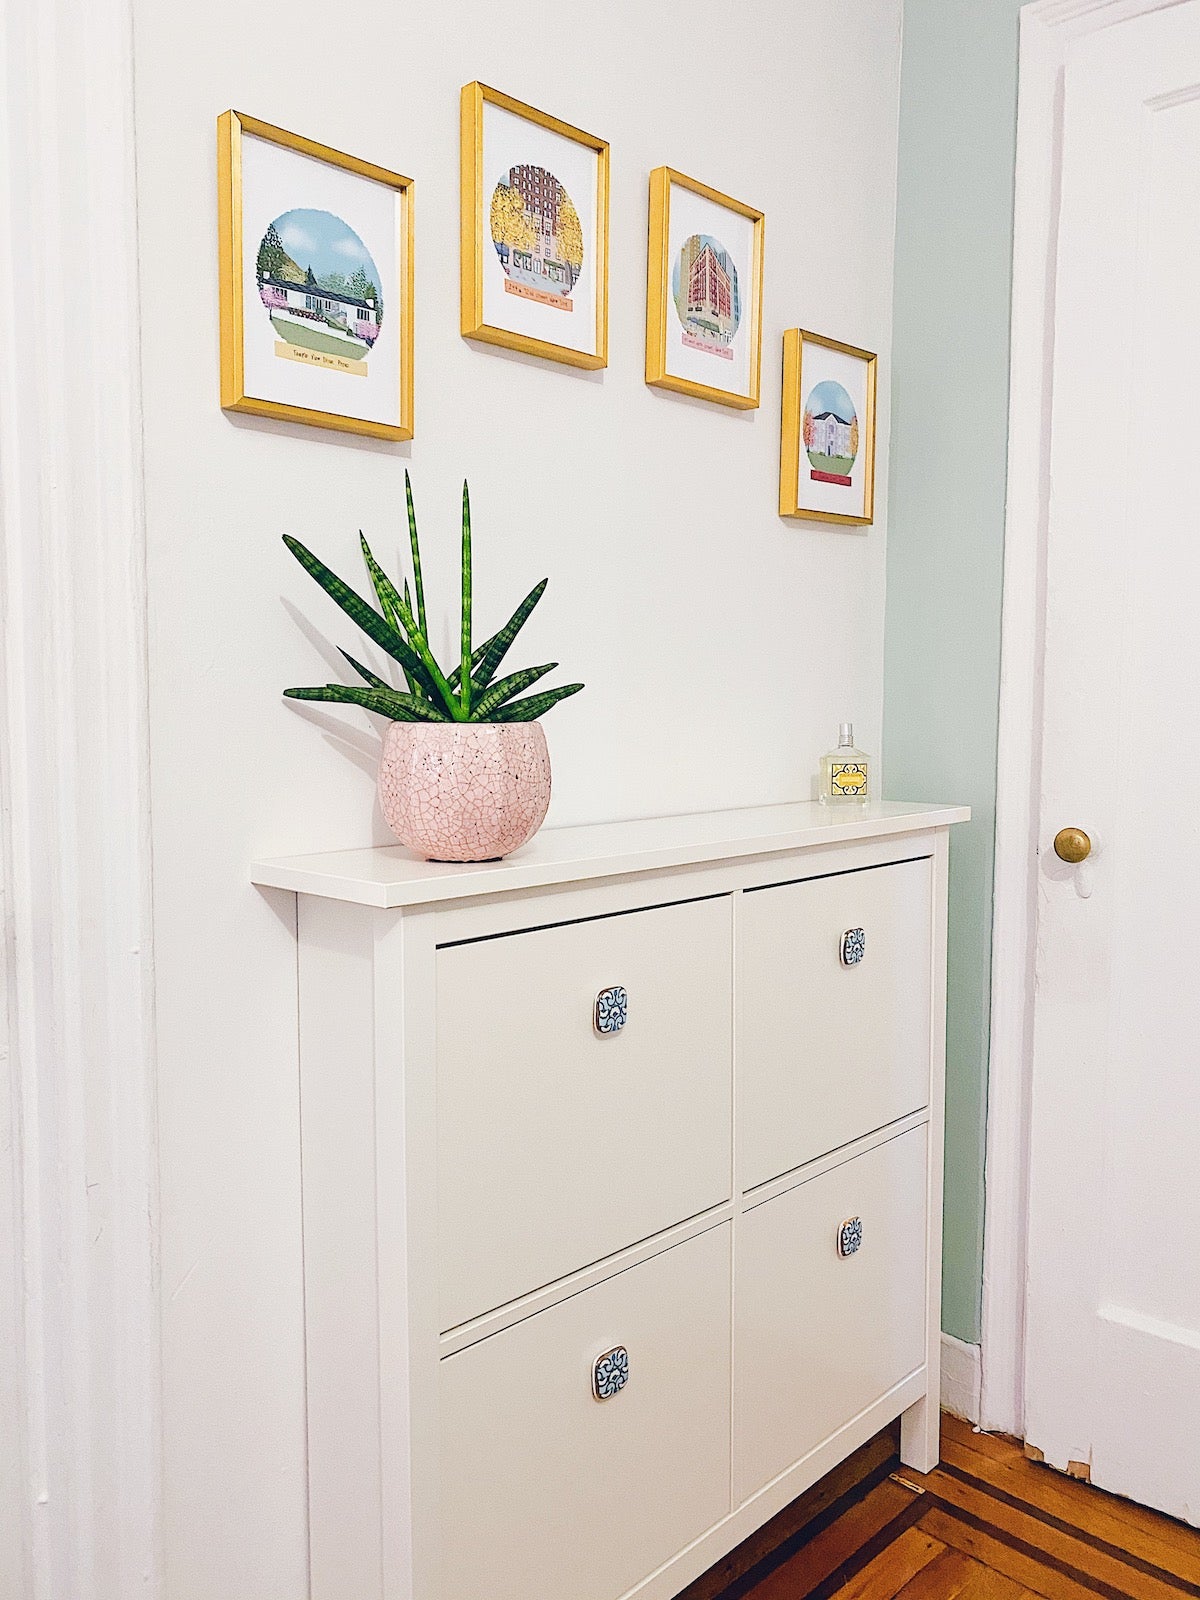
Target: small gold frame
(231, 125)
(791, 441)
(472, 230)
(658, 290)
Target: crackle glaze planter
(455, 791)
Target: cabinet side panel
(337, 1113)
(920, 1428)
(407, 1231)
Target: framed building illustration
(534, 231)
(316, 275)
(703, 292)
(827, 438)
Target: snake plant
(471, 692)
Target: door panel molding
(1048, 29)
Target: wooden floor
(986, 1525)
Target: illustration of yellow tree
(510, 224)
(569, 234)
(854, 438)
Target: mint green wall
(946, 522)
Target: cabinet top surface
(389, 876)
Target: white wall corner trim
(961, 1377)
(78, 1295)
(1048, 28)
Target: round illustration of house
(704, 286)
(537, 235)
(320, 286)
(831, 433)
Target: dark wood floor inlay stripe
(1008, 1530)
(784, 1552)
(873, 1547)
(1040, 1514)
(1014, 1542)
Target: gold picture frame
(799, 380)
(659, 295)
(475, 234)
(232, 129)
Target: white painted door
(1113, 1327)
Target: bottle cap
(845, 734)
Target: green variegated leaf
(365, 673)
(416, 635)
(389, 604)
(464, 669)
(536, 705)
(413, 686)
(442, 691)
(387, 702)
(381, 584)
(416, 553)
(385, 589)
(504, 690)
(489, 656)
(452, 680)
(357, 609)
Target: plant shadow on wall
(465, 773)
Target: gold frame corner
(474, 96)
(231, 126)
(794, 341)
(658, 289)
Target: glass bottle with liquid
(845, 772)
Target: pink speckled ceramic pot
(464, 791)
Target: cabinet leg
(920, 1434)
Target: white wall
(720, 645)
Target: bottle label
(848, 777)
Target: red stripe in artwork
(832, 477)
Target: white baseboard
(961, 1376)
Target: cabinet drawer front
(819, 1334)
(551, 1494)
(558, 1144)
(831, 1047)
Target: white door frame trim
(1048, 27)
(79, 1366)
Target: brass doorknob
(1073, 845)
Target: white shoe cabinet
(622, 1176)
